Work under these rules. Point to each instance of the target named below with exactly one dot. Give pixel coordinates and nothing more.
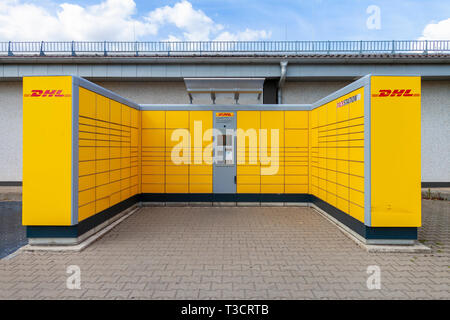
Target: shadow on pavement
(12, 233)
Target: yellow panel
(86, 103)
(248, 120)
(296, 180)
(102, 191)
(102, 165)
(101, 178)
(267, 188)
(248, 179)
(342, 192)
(177, 170)
(177, 119)
(356, 168)
(114, 164)
(296, 170)
(200, 179)
(200, 188)
(356, 197)
(86, 167)
(86, 211)
(126, 115)
(153, 119)
(114, 175)
(357, 183)
(343, 179)
(116, 112)
(152, 188)
(101, 204)
(200, 169)
(86, 182)
(248, 188)
(153, 137)
(152, 178)
(134, 117)
(102, 108)
(356, 211)
(177, 179)
(101, 153)
(114, 199)
(292, 188)
(395, 153)
(296, 138)
(296, 119)
(153, 169)
(47, 132)
(86, 196)
(275, 179)
(343, 205)
(177, 188)
(255, 170)
(114, 187)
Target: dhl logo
(46, 93)
(395, 93)
(224, 114)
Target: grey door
(224, 165)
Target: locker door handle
(235, 180)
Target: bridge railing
(188, 48)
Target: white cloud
(247, 35)
(436, 31)
(110, 20)
(194, 24)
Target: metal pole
(10, 54)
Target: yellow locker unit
(354, 154)
(88, 141)
(365, 157)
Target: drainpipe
(283, 65)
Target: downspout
(283, 65)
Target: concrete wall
(436, 131)
(11, 131)
(309, 92)
(435, 117)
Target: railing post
(360, 47)
(41, 53)
(105, 53)
(136, 48)
(426, 47)
(10, 54)
(328, 47)
(73, 49)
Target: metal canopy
(224, 86)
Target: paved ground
(12, 233)
(267, 253)
(10, 193)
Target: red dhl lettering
(224, 114)
(395, 93)
(46, 93)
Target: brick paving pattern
(234, 253)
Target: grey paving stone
(234, 253)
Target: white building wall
(436, 131)
(11, 131)
(435, 117)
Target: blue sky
(226, 19)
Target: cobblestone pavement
(234, 253)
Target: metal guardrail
(188, 48)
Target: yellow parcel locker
(177, 119)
